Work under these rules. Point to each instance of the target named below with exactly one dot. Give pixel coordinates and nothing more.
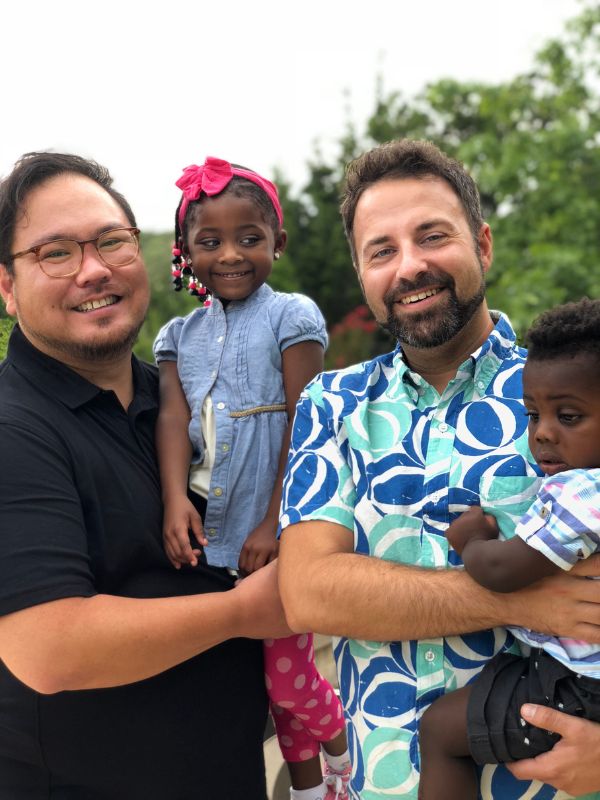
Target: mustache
(426, 281)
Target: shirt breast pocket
(507, 498)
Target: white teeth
(413, 298)
(91, 305)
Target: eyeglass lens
(116, 248)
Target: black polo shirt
(80, 514)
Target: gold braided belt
(259, 410)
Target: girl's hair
(565, 330)
(238, 187)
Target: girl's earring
(276, 255)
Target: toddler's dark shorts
(497, 733)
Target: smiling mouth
(415, 298)
(228, 276)
(93, 305)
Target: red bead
(202, 290)
(176, 251)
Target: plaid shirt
(564, 525)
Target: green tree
(5, 329)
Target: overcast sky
(148, 88)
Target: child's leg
(294, 683)
(306, 710)
(447, 769)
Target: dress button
(221, 406)
(225, 448)
(213, 374)
(443, 427)
(220, 339)
(218, 492)
(430, 656)
(211, 531)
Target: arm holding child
(498, 565)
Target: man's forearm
(361, 597)
(103, 641)
(327, 588)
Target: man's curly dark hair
(566, 330)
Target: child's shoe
(337, 783)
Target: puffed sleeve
(166, 343)
(297, 318)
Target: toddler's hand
(179, 518)
(472, 524)
(260, 548)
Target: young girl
(230, 375)
(561, 391)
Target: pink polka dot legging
(305, 707)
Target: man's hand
(573, 764)
(179, 518)
(472, 524)
(261, 611)
(260, 548)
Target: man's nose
(92, 267)
(410, 262)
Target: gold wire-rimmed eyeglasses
(63, 258)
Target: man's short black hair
(31, 171)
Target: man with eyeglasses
(121, 678)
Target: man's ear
(486, 247)
(7, 290)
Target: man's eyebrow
(432, 223)
(58, 236)
(377, 240)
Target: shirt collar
(259, 296)
(482, 364)
(56, 379)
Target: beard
(92, 350)
(432, 328)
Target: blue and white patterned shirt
(376, 449)
(564, 525)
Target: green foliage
(533, 146)
(6, 325)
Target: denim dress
(234, 353)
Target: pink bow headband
(212, 177)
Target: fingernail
(528, 710)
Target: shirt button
(225, 448)
(221, 406)
(443, 427)
(480, 385)
(430, 656)
(220, 339)
(218, 492)
(211, 531)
